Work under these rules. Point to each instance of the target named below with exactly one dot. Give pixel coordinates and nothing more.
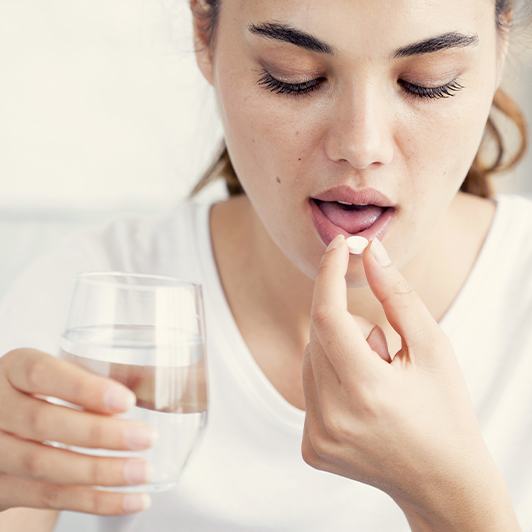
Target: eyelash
(301, 89)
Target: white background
(101, 104)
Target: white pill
(357, 244)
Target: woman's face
(361, 125)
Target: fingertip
(379, 253)
(336, 243)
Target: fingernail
(136, 503)
(117, 398)
(139, 437)
(379, 252)
(335, 242)
(137, 472)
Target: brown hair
(478, 179)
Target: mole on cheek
(278, 180)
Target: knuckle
(322, 447)
(37, 421)
(96, 434)
(322, 317)
(99, 473)
(308, 453)
(32, 464)
(34, 372)
(51, 496)
(319, 443)
(402, 288)
(425, 337)
(93, 503)
(84, 387)
(100, 503)
(81, 382)
(367, 404)
(400, 291)
(336, 426)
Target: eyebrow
(287, 33)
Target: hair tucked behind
(485, 165)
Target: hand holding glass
(148, 333)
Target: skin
(359, 128)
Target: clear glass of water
(148, 333)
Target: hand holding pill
(403, 424)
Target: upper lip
(366, 196)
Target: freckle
(297, 133)
(278, 180)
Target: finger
(323, 371)
(339, 334)
(41, 462)
(35, 372)
(330, 288)
(38, 420)
(328, 391)
(404, 308)
(314, 431)
(18, 491)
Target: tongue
(350, 219)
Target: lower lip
(328, 231)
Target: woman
(384, 390)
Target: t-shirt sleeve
(34, 309)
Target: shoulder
(168, 231)
(514, 222)
(512, 244)
(167, 243)
(117, 242)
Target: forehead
(349, 25)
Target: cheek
(270, 140)
(442, 138)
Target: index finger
(35, 372)
(337, 330)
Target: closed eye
(300, 89)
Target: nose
(361, 129)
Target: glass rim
(96, 276)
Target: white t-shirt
(247, 473)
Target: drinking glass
(148, 333)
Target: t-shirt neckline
(245, 366)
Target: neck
(281, 293)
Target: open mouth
(332, 218)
